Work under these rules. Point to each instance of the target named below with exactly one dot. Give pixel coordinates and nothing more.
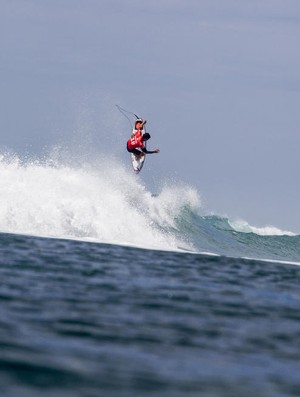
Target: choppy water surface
(85, 319)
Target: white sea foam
(103, 203)
(244, 227)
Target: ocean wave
(244, 227)
(101, 202)
(104, 202)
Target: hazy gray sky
(218, 81)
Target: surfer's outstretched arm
(151, 151)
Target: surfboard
(137, 162)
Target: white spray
(102, 203)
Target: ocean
(110, 290)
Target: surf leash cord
(126, 113)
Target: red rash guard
(136, 141)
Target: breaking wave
(104, 202)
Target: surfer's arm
(150, 151)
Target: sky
(217, 80)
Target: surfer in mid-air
(136, 144)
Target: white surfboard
(138, 161)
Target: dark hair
(146, 136)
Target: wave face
(105, 202)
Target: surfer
(136, 144)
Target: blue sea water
(177, 303)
